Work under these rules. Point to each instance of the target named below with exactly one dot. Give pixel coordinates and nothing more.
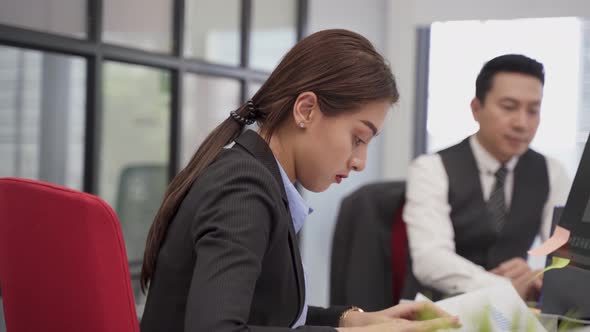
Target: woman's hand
(411, 316)
(412, 311)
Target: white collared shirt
(430, 229)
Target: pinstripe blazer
(230, 259)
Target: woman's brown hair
(341, 67)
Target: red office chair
(399, 254)
(63, 265)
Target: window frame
(96, 52)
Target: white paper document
(499, 307)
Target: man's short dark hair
(508, 63)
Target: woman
(222, 253)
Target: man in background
(474, 209)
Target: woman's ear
(305, 109)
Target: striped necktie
(497, 203)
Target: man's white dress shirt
(430, 229)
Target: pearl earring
(301, 124)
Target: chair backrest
(63, 265)
(139, 195)
(364, 267)
(400, 264)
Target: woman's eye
(357, 141)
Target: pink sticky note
(559, 238)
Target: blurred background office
(112, 97)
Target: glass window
(212, 31)
(207, 102)
(273, 32)
(555, 42)
(66, 17)
(253, 87)
(145, 24)
(134, 155)
(42, 116)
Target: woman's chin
(316, 188)
(321, 188)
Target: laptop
(567, 291)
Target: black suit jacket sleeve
(236, 213)
(325, 316)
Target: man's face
(510, 114)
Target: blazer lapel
(257, 146)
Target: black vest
(475, 236)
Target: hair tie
(250, 117)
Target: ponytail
(221, 136)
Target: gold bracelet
(345, 313)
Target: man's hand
(522, 277)
(529, 286)
(512, 269)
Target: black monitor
(567, 291)
(576, 216)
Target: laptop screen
(565, 291)
(576, 215)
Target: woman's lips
(340, 177)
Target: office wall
(428, 11)
(368, 18)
